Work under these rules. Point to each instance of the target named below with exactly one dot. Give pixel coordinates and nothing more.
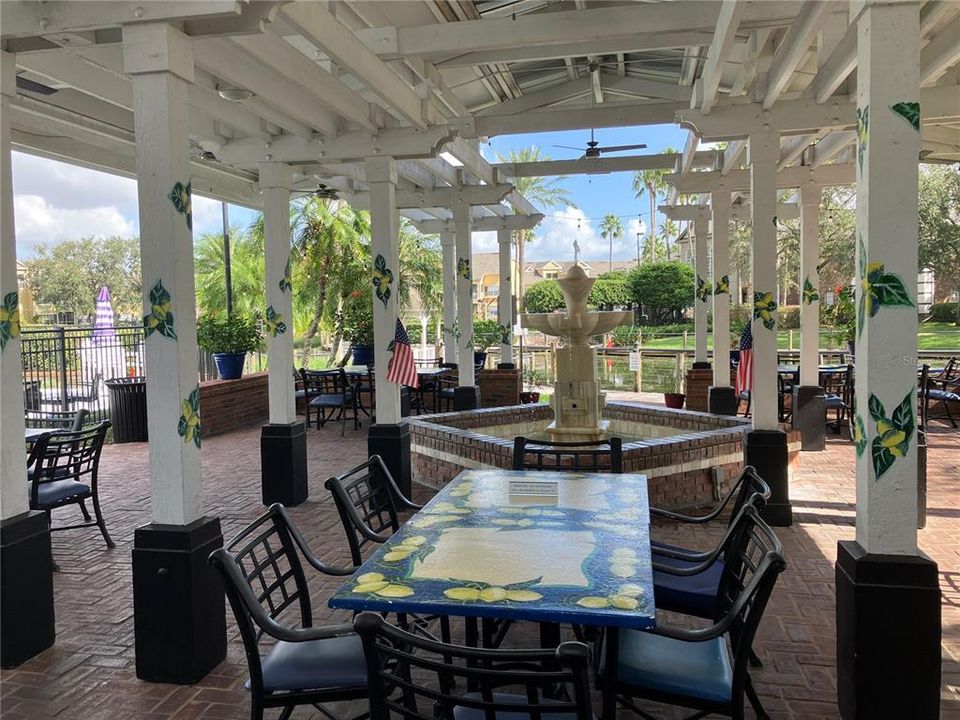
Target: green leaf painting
(810, 293)
(382, 279)
(863, 132)
(909, 111)
(893, 436)
(180, 197)
(160, 319)
(9, 318)
(285, 284)
(463, 268)
(703, 289)
(878, 288)
(723, 286)
(765, 309)
(859, 436)
(273, 323)
(189, 426)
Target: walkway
(89, 673)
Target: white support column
(764, 152)
(505, 298)
(13, 466)
(385, 252)
(720, 210)
(888, 85)
(702, 300)
(462, 224)
(275, 181)
(809, 285)
(449, 249)
(160, 60)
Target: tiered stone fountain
(577, 400)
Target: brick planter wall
(227, 405)
(696, 385)
(499, 388)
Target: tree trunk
(521, 241)
(311, 330)
(337, 337)
(652, 192)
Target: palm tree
(668, 230)
(543, 192)
(653, 182)
(611, 228)
(247, 270)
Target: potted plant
(675, 399)
(229, 338)
(533, 379)
(485, 334)
(358, 327)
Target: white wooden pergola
(387, 101)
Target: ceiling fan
(325, 193)
(594, 150)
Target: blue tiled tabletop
(476, 550)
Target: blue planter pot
(362, 354)
(229, 365)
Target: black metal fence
(64, 368)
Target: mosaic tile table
(475, 550)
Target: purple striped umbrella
(103, 319)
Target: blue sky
(55, 201)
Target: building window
(493, 289)
(551, 274)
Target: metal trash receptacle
(128, 409)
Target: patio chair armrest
(275, 629)
(679, 517)
(688, 571)
(697, 635)
(402, 500)
(680, 554)
(314, 561)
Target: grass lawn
(930, 336)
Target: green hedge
(944, 312)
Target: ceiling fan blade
(621, 148)
(567, 147)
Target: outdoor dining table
(539, 546)
(31, 435)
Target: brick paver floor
(89, 674)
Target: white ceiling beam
(509, 222)
(728, 20)
(738, 180)
(638, 42)
(740, 210)
(26, 18)
(293, 66)
(609, 115)
(540, 98)
(800, 36)
(731, 156)
(934, 12)
(645, 87)
(446, 197)
(836, 69)
(792, 148)
(599, 166)
(689, 153)
(520, 203)
(270, 83)
(756, 44)
(685, 212)
(830, 146)
(596, 82)
(337, 41)
(941, 53)
(472, 160)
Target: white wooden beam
(337, 41)
(736, 180)
(794, 46)
(832, 144)
(596, 81)
(645, 87)
(689, 152)
(836, 69)
(510, 222)
(472, 160)
(728, 20)
(598, 166)
(941, 53)
(446, 197)
(731, 156)
(540, 98)
(609, 115)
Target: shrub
(226, 334)
(486, 333)
(944, 312)
(358, 319)
(543, 297)
(788, 317)
(662, 289)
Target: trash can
(128, 408)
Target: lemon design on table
(377, 584)
(474, 591)
(462, 489)
(406, 548)
(625, 598)
(623, 562)
(447, 508)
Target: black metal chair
(696, 668)
(367, 386)
(63, 469)
(784, 397)
(413, 678)
(445, 387)
(838, 395)
(330, 391)
(263, 575)
(596, 456)
(941, 388)
(84, 391)
(72, 420)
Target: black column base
(722, 400)
(178, 604)
(392, 443)
(283, 463)
(888, 635)
(766, 450)
(701, 366)
(810, 416)
(506, 366)
(466, 397)
(27, 625)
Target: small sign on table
(535, 488)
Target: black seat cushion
(331, 400)
(51, 493)
(689, 594)
(336, 662)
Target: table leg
(549, 635)
(611, 658)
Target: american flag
(745, 368)
(401, 368)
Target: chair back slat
(751, 488)
(67, 455)
(72, 420)
(325, 382)
(415, 678)
(598, 456)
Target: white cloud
(553, 239)
(207, 215)
(40, 221)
